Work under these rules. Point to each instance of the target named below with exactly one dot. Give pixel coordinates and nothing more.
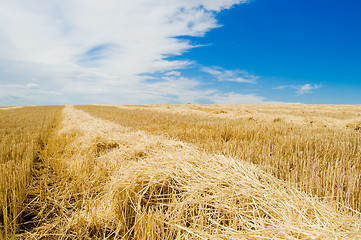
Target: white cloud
(85, 51)
(173, 73)
(281, 87)
(192, 91)
(224, 75)
(25, 86)
(301, 89)
(307, 88)
(236, 98)
(32, 86)
(26, 94)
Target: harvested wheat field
(181, 172)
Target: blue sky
(170, 51)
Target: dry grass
(117, 183)
(101, 180)
(321, 160)
(23, 134)
(333, 116)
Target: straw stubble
(102, 180)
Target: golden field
(24, 132)
(181, 172)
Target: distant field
(181, 172)
(11, 107)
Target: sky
(172, 51)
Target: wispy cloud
(25, 86)
(86, 47)
(301, 89)
(173, 73)
(32, 86)
(25, 94)
(193, 91)
(307, 88)
(224, 75)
